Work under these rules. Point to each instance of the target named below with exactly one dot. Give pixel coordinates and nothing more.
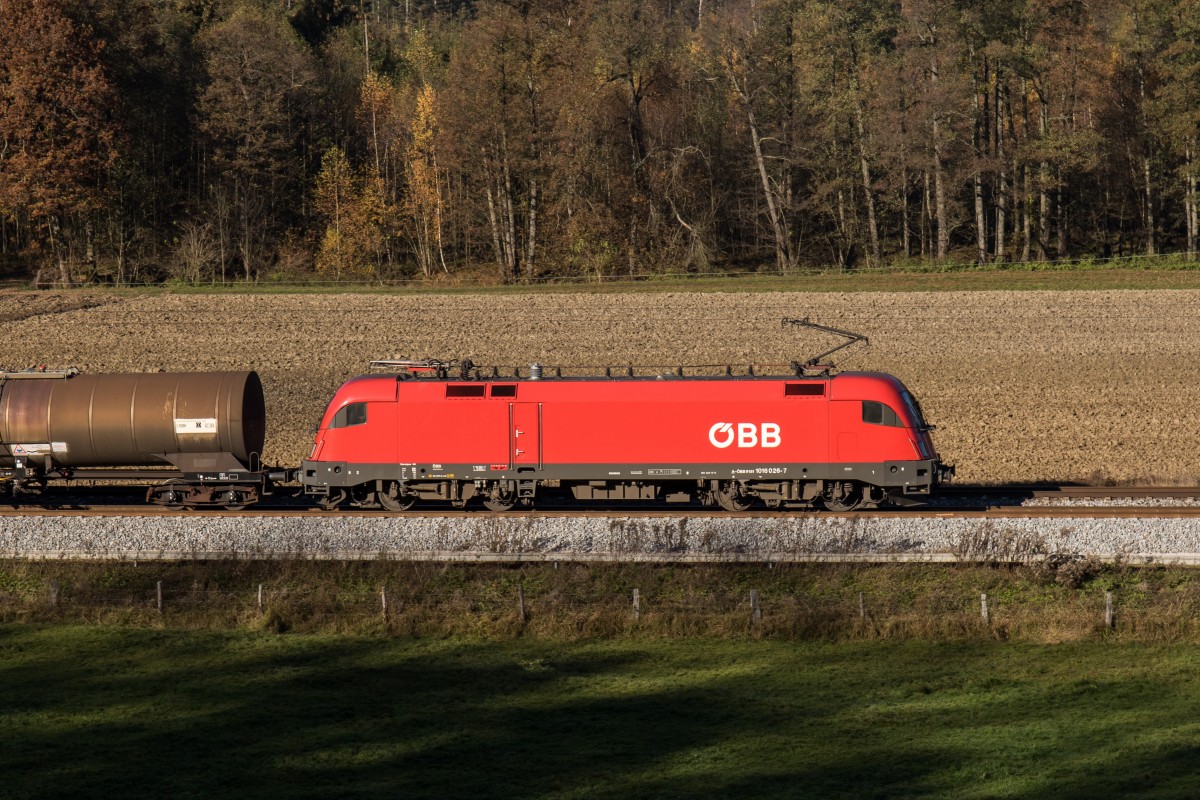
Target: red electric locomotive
(438, 431)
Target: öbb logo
(722, 434)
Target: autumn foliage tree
(252, 113)
(351, 208)
(523, 140)
(424, 184)
(58, 135)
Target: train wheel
(391, 499)
(171, 495)
(730, 499)
(845, 496)
(502, 497)
(233, 501)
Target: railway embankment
(1163, 536)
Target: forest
(525, 140)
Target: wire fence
(516, 607)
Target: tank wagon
(449, 432)
(197, 435)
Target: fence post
(158, 593)
(637, 604)
(54, 587)
(383, 602)
(755, 608)
(521, 601)
(862, 608)
(260, 608)
(1109, 619)
(983, 610)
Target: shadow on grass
(90, 712)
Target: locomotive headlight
(893, 467)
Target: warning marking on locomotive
(195, 425)
(664, 472)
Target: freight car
(445, 431)
(196, 436)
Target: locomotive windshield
(914, 410)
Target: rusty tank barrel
(131, 419)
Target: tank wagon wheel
(391, 499)
(731, 499)
(846, 496)
(502, 497)
(233, 501)
(334, 500)
(172, 500)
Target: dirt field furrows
(16, 306)
(1023, 386)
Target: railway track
(1069, 492)
(968, 502)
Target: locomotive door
(525, 427)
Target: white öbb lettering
(747, 434)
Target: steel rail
(996, 512)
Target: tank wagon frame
(195, 438)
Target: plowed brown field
(1023, 386)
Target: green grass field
(119, 712)
(1164, 272)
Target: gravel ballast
(593, 538)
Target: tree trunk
(1190, 200)
(926, 220)
(939, 198)
(979, 136)
(939, 184)
(1149, 205)
(531, 245)
(1026, 215)
(781, 248)
(868, 192)
(1148, 185)
(57, 246)
(1002, 192)
(495, 225)
(1043, 189)
(1061, 213)
(510, 218)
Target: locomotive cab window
(504, 390)
(876, 413)
(353, 414)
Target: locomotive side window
(465, 390)
(880, 414)
(353, 414)
(504, 390)
(812, 389)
